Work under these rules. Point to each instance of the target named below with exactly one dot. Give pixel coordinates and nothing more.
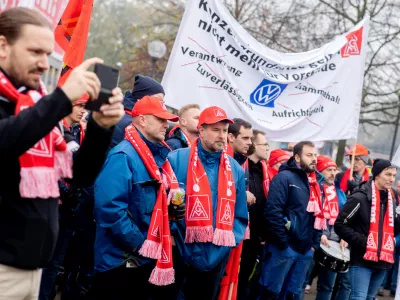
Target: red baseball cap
(153, 106)
(212, 115)
(277, 156)
(324, 162)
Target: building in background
(52, 10)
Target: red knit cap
(324, 162)
(277, 156)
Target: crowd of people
(133, 201)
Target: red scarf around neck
(158, 242)
(199, 206)
(331, 204)
(388, 241)
(315, 202)
(81, 130)
(184, 135)
(48, 160)
(245, 167)
(346, 177)
(266, 179)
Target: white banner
(314, 95)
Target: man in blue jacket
(291, 229)
(125, 197)
(183, 134)
(143, 86)
(216, 216)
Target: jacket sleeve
(20, 133)
(347, 217)
(174, 143)
(273, 211)
(91, 155)
(241, 213)
(112, 190)
(317, 238)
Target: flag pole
(353, 155)
(230, 291)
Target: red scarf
(331, 205)
(81, 130)
(185, 137)
(388, 229)
(346, 177)
(158, 243)
(266, 179)
(48, 160)
(199, 207)
(245, 167)
(315, 202)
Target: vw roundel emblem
(266, 93)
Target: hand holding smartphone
(109, 79)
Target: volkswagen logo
(266, 93)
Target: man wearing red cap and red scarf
(294, 216)
(333, 199)
(133, 238)
(216, 211)
(369, 223)
(348, 182)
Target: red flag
(71, 34)
(229, 282)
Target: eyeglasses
(265, 145)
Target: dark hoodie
(143, 86)
(288, 197)
(352, 224)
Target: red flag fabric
(229, 282)
(71, 34)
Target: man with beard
(217, 215)
(333, 199)
(293, 212)
(182, 135)
(33, 152)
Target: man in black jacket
(369, 222)
(292, 231)
(258, 186)
(33, 153)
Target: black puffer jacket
(352, 224)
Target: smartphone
(109, 79)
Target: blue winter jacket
(288, 197)
(206, 256)
(125, 196)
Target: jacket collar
(208, 158)
(240, 158)
(159, 150)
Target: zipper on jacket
(351, 214)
